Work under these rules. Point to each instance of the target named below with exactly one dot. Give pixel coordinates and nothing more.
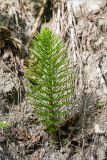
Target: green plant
(65, 141)
(4, 124)
(50, 79)
(100, 104)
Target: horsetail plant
(50, 79)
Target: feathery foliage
(50, 78)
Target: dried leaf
(5, 32)
(2, 43)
